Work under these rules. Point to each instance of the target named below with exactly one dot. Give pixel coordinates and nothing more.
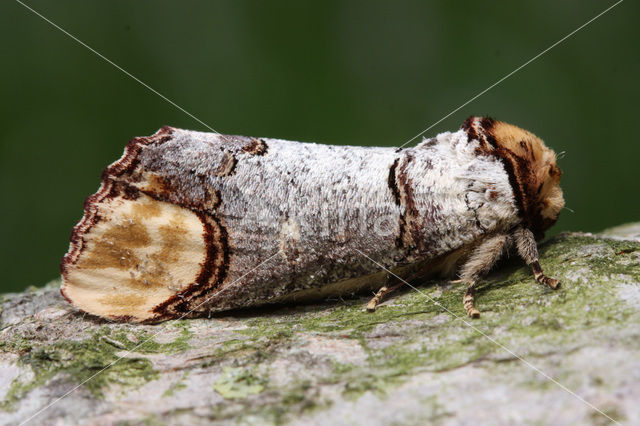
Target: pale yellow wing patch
(137, 255)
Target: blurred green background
(348, 72)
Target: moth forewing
(181, 221)
(146, 249)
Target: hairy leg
(528, 250)
(479, 263)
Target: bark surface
(410, 362)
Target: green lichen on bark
(277, 364)
(238, 383)
(91, 363)
(96, 363)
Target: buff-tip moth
(181, 221)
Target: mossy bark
(411, 362)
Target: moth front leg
(528, 250)
(479, 263)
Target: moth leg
(528, 250)
(384, 290)
(480, 262)
(467, 301)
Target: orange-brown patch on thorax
(531, 165)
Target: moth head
(530, 164)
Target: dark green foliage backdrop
(365, 73)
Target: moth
(187, 223)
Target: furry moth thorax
(531, 165)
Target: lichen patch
(345, 351)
